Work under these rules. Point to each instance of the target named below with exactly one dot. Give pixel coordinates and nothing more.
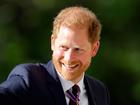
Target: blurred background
(25, 29)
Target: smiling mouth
(70, 67)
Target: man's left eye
(77, 49)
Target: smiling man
(75, 41)
(72, 52)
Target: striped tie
(73, 95)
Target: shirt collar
(68, 84)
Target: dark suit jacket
(38, 84)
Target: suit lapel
(58, 93)
(55, 85)
(90, 91)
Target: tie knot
(76, 90)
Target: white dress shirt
(68, 84)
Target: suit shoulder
(100, 90)
(23, 68)
(95, 81)
(25, 71)
(98, 86)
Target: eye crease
(63, 47)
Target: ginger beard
(72, 71)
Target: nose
(69, 55)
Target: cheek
(57, 53)
(85, 57)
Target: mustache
(70, 62)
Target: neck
(75, 81)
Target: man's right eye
(63, 48)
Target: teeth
(70, 66)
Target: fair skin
(72, 52)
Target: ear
(53, 37)
(95, 48)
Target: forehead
(72, 35)
(72, 32)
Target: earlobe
(95, 48)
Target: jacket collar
(90, 91)
(55, 85)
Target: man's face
(72, 52)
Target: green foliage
(25, 29)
